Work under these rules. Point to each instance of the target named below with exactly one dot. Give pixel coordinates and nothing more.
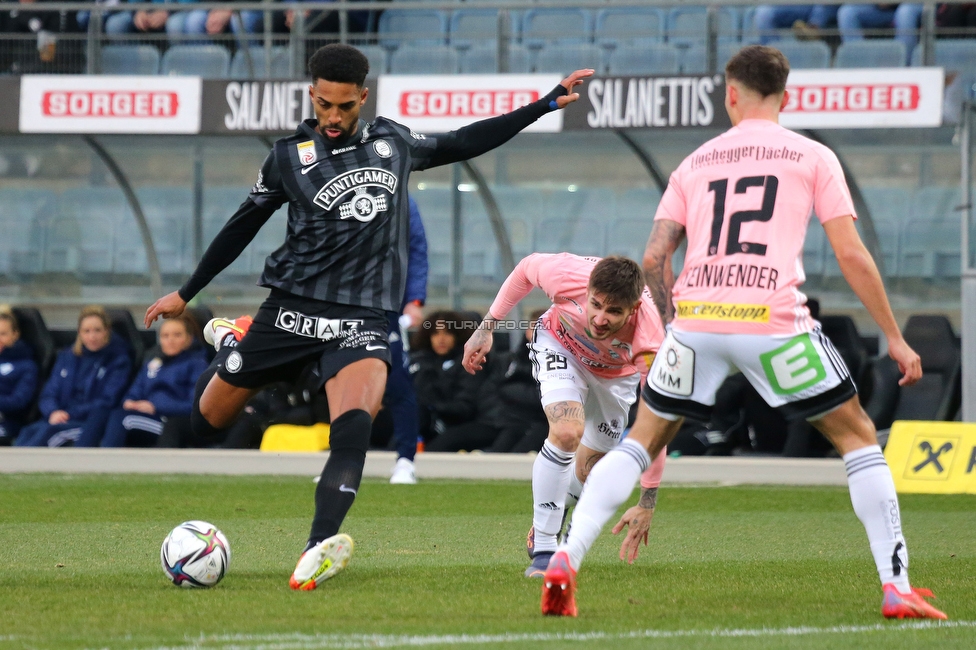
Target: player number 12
(765, 213)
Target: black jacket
(519, 401)
(446, 390)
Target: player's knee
(350, 431)
(203, 427)
(566, 435)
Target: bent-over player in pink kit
(590, 351)
(743, 200)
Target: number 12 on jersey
(736, 219)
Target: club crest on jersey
(306, 152)
(363, 206)
(382, 148)
(333, 191)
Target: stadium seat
(548, 26)
(34, 332)
(931, 236)
(82, 236)
(377, 57)
(207, 61)
(424, 59)
(619, 26)
(688, 26)
(269, 239)
(473, 27)
(566, 58)
(169, 212)
(422, 27)
(219, 203)
(483, 59)
(22, 243)
(576, 202)
(693, 60)
(805, 54)
(581, 236)
(870, 54)
(124, 326)
(130, 59)
(659, 58)
(628, 237)
(937, 396)
(435, 211)
(239, 68)
(638, 203)
(890, 208)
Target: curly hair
(339, 63)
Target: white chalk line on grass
(295, 641)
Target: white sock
(609, 484)
(550, 482)
(575, 487)
(876, 505)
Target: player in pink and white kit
(590, 351)
(744, 199)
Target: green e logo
(793, 366)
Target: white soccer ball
(195, 554)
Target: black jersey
(348, 211)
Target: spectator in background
(45, 24)
(85, 385)
(769, 18)
(174, 23)
(18, 378)
(400, 399)
(220, 21)
(904, 18)
(446, 395)
(163, 389)
(113, 22)
(521, 419)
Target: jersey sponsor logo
(6, 368)
(610, 429)
(793, 366)
(382, 148)
(306, 152)
(463, 103)
(259, 187)
(336, 152)
(343, 184)
(116, 103)
(674, 368)
(723, 311)
(234, 362)
(315, 327)
(363, 207)
(417, 136)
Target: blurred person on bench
(18, 378)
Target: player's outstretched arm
(637, 520)
(484, 135)
(169, 306)
(862, 274)
(478, 346)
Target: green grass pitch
(440, 565)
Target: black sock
(206, 432)
(348, 441)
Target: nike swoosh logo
(343, 488)
(305, 170)
(375, 346)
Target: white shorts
(562, 378)
(802, 375)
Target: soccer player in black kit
(341, 269)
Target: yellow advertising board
(933, 457)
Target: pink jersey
(564, 278)
(745, 200)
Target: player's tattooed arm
(658, 275)
(478, 346)
(565, 412)
(648, 498)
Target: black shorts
(289, 332)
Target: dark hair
(759, 68)
(619, 279)
(454, 322)
(339, 63)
